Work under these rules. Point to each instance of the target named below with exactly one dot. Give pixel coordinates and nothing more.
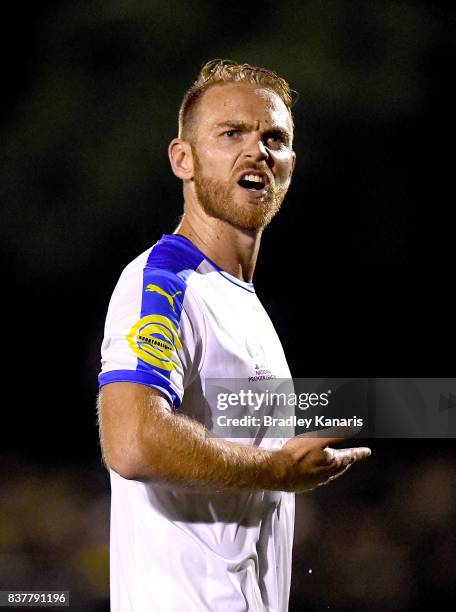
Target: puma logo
(160, 291)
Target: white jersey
(176, 320)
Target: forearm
(177, 450)
(142, 439)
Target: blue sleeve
(143, 342)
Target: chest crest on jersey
(259, 361)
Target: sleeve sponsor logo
(164, 293)
(154, 339)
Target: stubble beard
(217, 199)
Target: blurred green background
(89, 103)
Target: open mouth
(256, 184)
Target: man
(200, 523)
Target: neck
(233, 249)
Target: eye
(231, 133)
(276, 140)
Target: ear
(181, 158)
(293, 161)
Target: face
(243, 156)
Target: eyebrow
(234, 124)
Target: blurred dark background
(89, 103)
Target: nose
(256, 149)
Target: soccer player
(200, 523)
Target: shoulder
(167, 265)
(157, 280)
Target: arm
(142, 439)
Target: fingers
(341, 458)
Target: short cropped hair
(221, 71)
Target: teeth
(253, 177)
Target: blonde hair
(221, 71)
